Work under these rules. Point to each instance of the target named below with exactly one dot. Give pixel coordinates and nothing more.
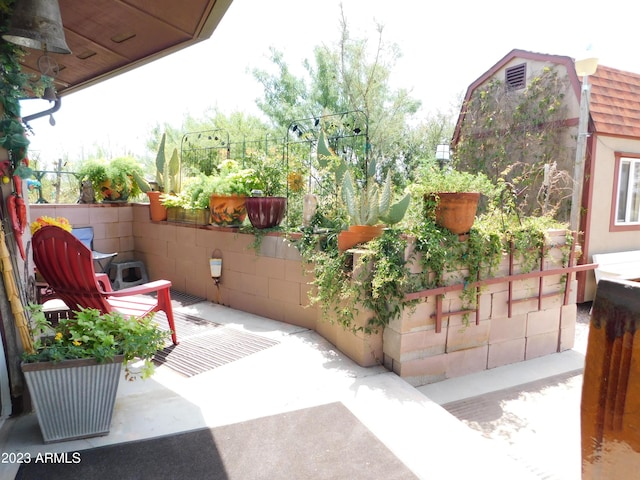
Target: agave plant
(167, 173)
(372, 204)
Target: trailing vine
(517, 137)
(15, 85)
(382, 280)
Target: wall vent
(516, 77)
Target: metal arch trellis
(202, 150)
(244, 150)
(344, 131)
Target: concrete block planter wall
(275, 284)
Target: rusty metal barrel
(610, 408)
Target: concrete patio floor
(304, 370)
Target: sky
(445, 47)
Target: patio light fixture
(442, 154)
(584, 67)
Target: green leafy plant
(270, 174)
(511, 135)
(232, 179)
(91, 334)
(112, 180)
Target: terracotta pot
(266, 212)
(157, 211)
(358, 234)
(457, 211)
(227, 210)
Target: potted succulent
(370, 208)
(74, 370)
(112, 181)
(230, 187)
(451, 197)
(166, 180)
(267, 205)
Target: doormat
(326, 441)
(205, 345)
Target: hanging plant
(14, 85)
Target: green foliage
(231, 179)
(384, 279)
(345, 77)
(14, 85)
(372, 204)
(195, 194)
(270, 172)
(511, 136)
(113, 180)
(90, 334)
(167, 173)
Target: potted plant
(370, 207)
(166, 180)
(267, 205)
(230, 188)
(112, 181)
(191, 205)
(451, 197)
(74, 371)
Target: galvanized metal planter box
(74, 398)
(197, 216)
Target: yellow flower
(58, 336)
(44, 220)
(295, 181)
(77, 343)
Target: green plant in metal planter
(73, 374)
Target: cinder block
(464, 362)
(270, 267)
(327, 328)
(411, 345)
(416, 317)
(552, 302)
(507, 352)
(364, 349)
(300, 315)
(524, 307)
(484, 304)
(505, 329)
(542, 344)
(568, 315)
(567, 337)
(462, 338)
(543, 321)
(281, 290)
(423, 370)
(239, 262)
(499, 305)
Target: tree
(349, 76)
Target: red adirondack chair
(67, 266)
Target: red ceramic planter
(265, 212)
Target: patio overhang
(110, 37)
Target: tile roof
(615, 102)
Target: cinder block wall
(414, 350)
(112, 224)
(274, 284)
